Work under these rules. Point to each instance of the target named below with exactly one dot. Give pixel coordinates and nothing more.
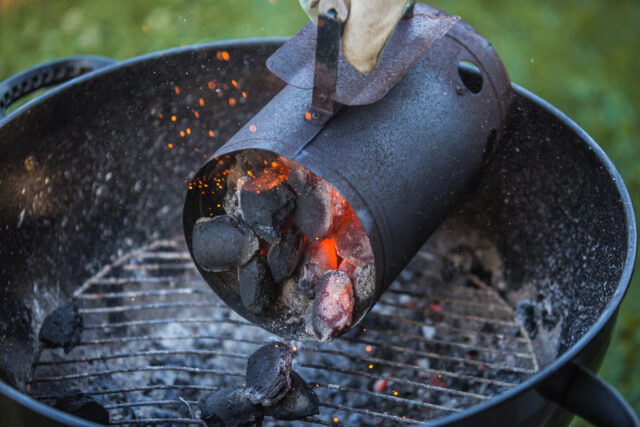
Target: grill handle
(582, 392)
(47, 74)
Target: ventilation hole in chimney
(470, 75)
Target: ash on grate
(417, 345)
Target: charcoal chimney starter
(402, 145)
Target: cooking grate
(156, 339)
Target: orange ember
(380, 385)
(268, 179)
(327, 248)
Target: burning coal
(286, 243)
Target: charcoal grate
(156, 340)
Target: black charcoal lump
(256, 285)
(268, 373)
(266, 211)
(222, 243)
(300, 402)
(313, 213)
(284, 257)
(62, 328)
(77, 403)
(230, 407)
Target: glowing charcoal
(313, 213)
(222, 243)
(284, 257)
(300, 402)
(268, 373)
(256, 285)
(319, 257)
(352, 242)
(296, 218)
(333, 306)
(227, 406)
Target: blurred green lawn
(582, 56)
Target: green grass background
(580, 55)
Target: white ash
(333, 306)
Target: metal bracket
(326, 67)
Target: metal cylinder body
(402, 162)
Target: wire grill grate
(156, 340)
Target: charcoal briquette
(284, 257)
(300, 402)
(268, 373)
(313, 213)
(265, 211)
(77, 403)
(62, 328)
(333, 306)
(230, 407)
(222, 243)
(352, 242)
(257, 290)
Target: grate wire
(156, 340)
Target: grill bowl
(87, 173)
